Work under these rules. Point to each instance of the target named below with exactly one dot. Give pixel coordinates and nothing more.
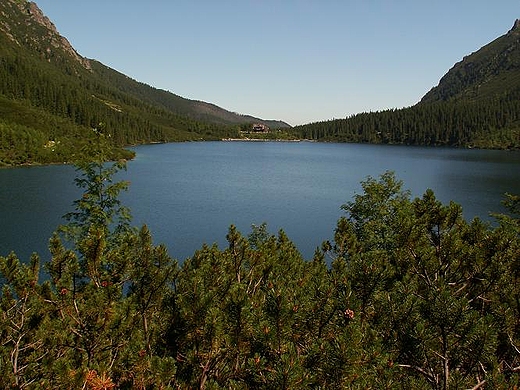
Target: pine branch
(479, 385)
(420, 370)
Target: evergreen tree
(414, 297)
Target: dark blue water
(189, 193)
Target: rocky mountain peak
(516, 27)
(37, 14)
(32, 16)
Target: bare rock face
(516, 27)
(46, 40)
(37, 14)
(57, 40)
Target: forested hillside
(408, 295)
(50, 97)
(476, 104)
(492, 71)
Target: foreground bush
(407, 295)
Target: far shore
(264, 140)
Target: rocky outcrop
(47, 42)
(482, 74)
(57, 40)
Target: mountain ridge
(476, 76)
(50, 93)
(44, 81)
(35, 14)
(217, 115)
(475, 104)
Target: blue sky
(298, 61)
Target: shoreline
(264, 140)
(468, 147)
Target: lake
(189, 193)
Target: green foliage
(48, 93)
(488, 72)
(476, 104)
(414, 296)
(100, 206)
(426, 283)
(491, 123)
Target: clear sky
(299, 61)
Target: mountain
(490, 72)
(51, 96)
(476, 104)
(195, 109)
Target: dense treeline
(43, 80)
(407, 295)
(202, 112)
(476, 104)
(24, 137)
(493, 123)
(51, 96)
(37, 96)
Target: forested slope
(485, 124)
(492, 71)
(44, 81)
(476, 104)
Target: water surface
(189, 193)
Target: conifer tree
(414, 297)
